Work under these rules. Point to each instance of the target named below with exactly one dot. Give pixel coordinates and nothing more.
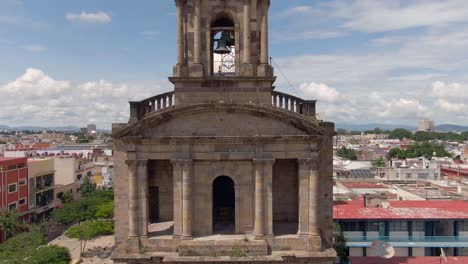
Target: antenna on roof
(382, 249)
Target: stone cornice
(309, 126)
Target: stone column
(180, 31)
(197, 33)
(314, 196)
(264, 33)
(187, 199)
(177, 167)
(132, 199)
(246, 35)
(303, 174)
(263, 169)
(142, 195)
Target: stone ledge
(230, 248)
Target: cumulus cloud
(97, 17)
(46, 101)
(35, 82)
(319, 91)
(450, 90)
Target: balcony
(138, 110)
(414, 241)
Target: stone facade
(223, 169)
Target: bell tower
(222, 52)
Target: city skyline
(79, 63)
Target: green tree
(340, 244)
(21, 246)
(347, 153)
(87, 187)
(11, 223)
(88, 230)
(424, 149)
(105, 210)
(380, 162)
(400, 133)
(52, 254)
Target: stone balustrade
(282, 100)
(139, 109)
(294, 104)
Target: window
(463, 226)
(436, 176)
(423, 175)
(11, 187)
(21, 165)
(409, 175)
(22, 201)
(22, 182)
(11, 167)
(374, 226)
(12, 206)
(352, 226)
(399, 226)
(418, 226)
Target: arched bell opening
(224, 61)
(224, 205)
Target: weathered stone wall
(120, 195)
(285, 191)
(205, 172)
(160, 175)
(222, 122)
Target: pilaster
(183, 204)
(142, 169)
(263, 169)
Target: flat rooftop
(410, 210)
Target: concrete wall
(64, 170)
(285, 191)
(160, 175)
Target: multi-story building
(426, 125)
(70, 172)
(41, 191)
(413, 228)
(14, 187)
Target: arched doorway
(223, 205)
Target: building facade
(41, 192)
(13, 188)
(223, 154)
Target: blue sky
(367, 61)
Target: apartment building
(41, 191)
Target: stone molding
(308, 125)
(310, 164)
(181, 162)
(264, 162)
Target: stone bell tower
(243, 73)
(223, 169)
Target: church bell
(224, 43)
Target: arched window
(224, 61)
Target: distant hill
(451, 128)
(40, 128)
(372, 126)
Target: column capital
(266, 3)
(131, 163)
(179, 2)
(246, 2)
(181, 162)
(308, 163)
(268, 162)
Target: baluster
(170, 100)
(158, 99)
(152, 105)
(274, 100)
(281, 101)
(287, 103)
(164, 101)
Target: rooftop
(408, 260)
(411, 210)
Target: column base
(247, 69)
(259, 237)
(133, 245)
(264, 70)
(186, 238)
(195, 70)
(180, 70)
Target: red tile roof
(408, 260)
(447, 209)
(364, 185)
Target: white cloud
(319, 91)
(461, 108)
(97, 17)
(35, 82)
(34, 48)
(102, 88)
(450, 90)
(380, 16)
